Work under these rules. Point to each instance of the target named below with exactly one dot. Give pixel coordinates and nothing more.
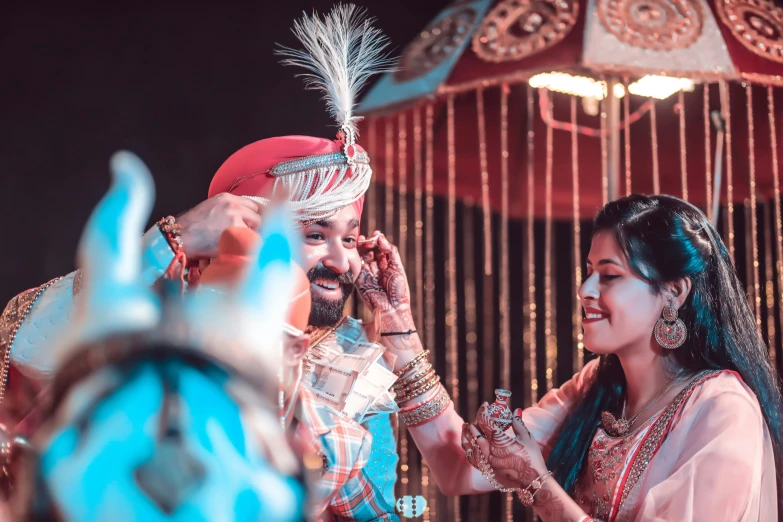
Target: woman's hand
(513, 455)
(383, 284)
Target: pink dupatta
(707, 457)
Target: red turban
(234, 248)
(247, 171)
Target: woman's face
(620, 307)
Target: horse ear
(242, 323)
(114, 299)
(264, 292)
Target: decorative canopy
(657, 50)
(484, 42)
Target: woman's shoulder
(722, 391)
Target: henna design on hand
(510, 460)
(383, 286)
(548, 506)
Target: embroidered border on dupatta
(654, 439)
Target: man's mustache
(321, 272)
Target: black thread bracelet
(390, 334)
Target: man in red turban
(323, 182)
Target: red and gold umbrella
(540, 111)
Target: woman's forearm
(553, 504)
(438, 440)
(439, 444)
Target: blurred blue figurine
(155, 414)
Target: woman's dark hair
(666, 239)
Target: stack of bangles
(169, 227)
(418, 379)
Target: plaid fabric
(344, 490)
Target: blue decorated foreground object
(152, 415)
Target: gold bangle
(420, 391)
(413, 377)
(415, 374)
(402, 371)
(427, 411)
(420, 388)
(414, 383)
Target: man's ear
(296, 350)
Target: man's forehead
(337, 223)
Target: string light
(627, 140)
(683, 148)
(769, 285)
(505, 319)
(402, 169)
(531, 355)
(708, 149)
(577, 318)
(726, 104)
(402, 246)
(654, 138)
(471, 338)
(451, 314)
(605, 156)
(773, 137)
(488, 341)
(753, 205)
(748, 258)
(418, 238)
(372, 225)
(388, 224)
(549, 337)
(659, 87)
(485, 203)
(429, 278)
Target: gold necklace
(620, 427)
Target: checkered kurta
(344, 490)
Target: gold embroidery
(658, 433)
(515, 29)
(10, 321)
(607, 458)
(661, 25)
(756, 24)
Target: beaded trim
(317, 161)
(16, 319)
(658, 432)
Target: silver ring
(479, 436)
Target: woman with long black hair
(678, 419)
(680, 416)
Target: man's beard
(325, 311)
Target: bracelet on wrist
(172, 231)
(392, 334)
(528, 494)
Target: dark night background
(183, 85)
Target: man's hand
(383, 285)
(203, 224)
